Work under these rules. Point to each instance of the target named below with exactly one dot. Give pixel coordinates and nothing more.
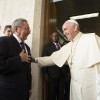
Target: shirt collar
(17, 38)
(55, 43)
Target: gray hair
(17, 23)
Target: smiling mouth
(68, 33)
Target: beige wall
(37, 44)
(12, 9)
(33, 11)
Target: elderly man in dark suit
(15, 69)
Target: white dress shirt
(19, 41)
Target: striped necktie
(23, 46)
(57, 46)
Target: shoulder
(48, 45)
(4, 39)
(89, 39)
(4, 42)
(88, 36)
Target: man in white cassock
(82, 54)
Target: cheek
(64, 33)
(69, 36)
(25, 35)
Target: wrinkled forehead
(54, 34)
(25, 24)
(8, 29)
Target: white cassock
(83, 57)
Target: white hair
(73, 21)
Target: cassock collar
(77, 37)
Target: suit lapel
(28, 49)
(15, 45)
(53, 47)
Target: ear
(75, 27)
(16, 29)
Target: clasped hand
(25, 57)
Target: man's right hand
(25, 57)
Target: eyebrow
(9, 31)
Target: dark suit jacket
(15, 76)
(52, 71)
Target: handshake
(26, 58)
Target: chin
(69, 39)
(25, 39)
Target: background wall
(12, 9)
